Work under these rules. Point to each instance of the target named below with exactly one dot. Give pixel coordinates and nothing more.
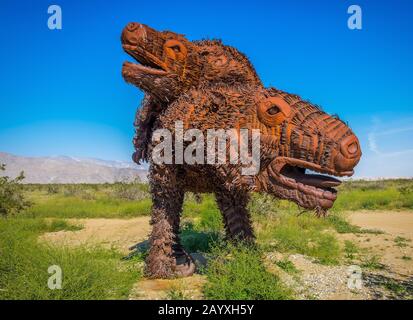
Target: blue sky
(61, 91)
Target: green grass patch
(87, 273)
(341, 225)
(238, 273)
(303, 234)
(195, 240)
(372, 263)
(401, 241)
(287, 266)
(350, 250)
(375, 195)
(73, 207)
(205, 214)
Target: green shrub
(350, 249)
(205, 214)
(287, 266)
(238, 273)
(197, 241)
(52, 189)
(304, 234)
(134, 191)
(12, 200)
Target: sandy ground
(118, 233)
(159, 289)
(395, 243)
(392, 222)
(392, 249)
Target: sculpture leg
(236, 217)
(166, 256)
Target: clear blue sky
(61, 91)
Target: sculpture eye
(273, 110)
(176, 49)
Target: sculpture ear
(273, 111)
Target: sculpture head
(310, 147)
(167, 61)
(169, 64)
(225, 64)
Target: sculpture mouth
(316, 190)
(148, 64)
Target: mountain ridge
(67, 169)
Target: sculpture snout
(349, 155)
(133, 33)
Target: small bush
(238, 273)
(372, 263)
(52, 189)
(12, 200)
(263, 204)
(197, 241)
(304, 234)
(350, 249)
(287, 266)
(133, 191)
(205, 214)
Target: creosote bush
(12, 200)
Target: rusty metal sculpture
(207, 85)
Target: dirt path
(392, 222)
(394, 247)
(119, 233)
(159, 289)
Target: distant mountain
(63, 169)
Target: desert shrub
(304, 234)
(52, 189)
(263, 204)
(133, 191)
(292, 237)
(195, 241)
(350, 249)
(237, 272)
(79, 191)
(71, 190)
(206, 214)
(287, 266)
(12, 200)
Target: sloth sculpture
(208, 86)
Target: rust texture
(208, 85)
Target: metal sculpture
(207, 85)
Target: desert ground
(314, 280)
(98, 234)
